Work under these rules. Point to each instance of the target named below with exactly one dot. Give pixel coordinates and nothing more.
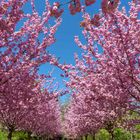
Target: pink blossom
(55, 11)
(89, 2)
(75, 6)
(109, 6)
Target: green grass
(16, 135)
(119, 134)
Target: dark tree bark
(112, 135)
(29, 136)
(93, 136)
(86, 137)
(10, 132)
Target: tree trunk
(9, 137)
(29, 135)
(112, 135)
(93, 136)
(86, 137)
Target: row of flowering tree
(24, 104)
(105, 82)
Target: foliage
(120, 134)
(102, 135)
(3, 135)
(16, 135)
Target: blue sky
(65, 46)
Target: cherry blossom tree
(16, 101)
(44, 120)
(29, 108)
(108, 78)
(21, 53)
(82, 118)
(104, 84)
(22, 48)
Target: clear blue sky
(65, 46)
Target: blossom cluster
(75, 6)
